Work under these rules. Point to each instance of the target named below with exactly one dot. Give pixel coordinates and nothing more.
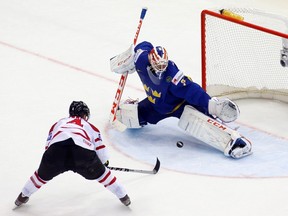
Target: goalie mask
(158, 59)
(80, 109)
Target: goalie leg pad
(213, 133)
(128, 115)
(204, 128)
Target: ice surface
(53, 52)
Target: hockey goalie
(170, 93)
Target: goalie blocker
(198, 125)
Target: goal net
(244, 58)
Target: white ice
(53, 52)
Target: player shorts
(67, 156)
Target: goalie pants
(148, 114)
(66, 155)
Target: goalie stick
(113, 120)
(154, 171)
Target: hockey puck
(179, 144)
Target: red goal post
(241, 58)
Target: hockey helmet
(80, 109)
(158, 58)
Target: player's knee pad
(224, 109)
(128, 114)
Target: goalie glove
(127, 113)
(224, 109)
(124, 62)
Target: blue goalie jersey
(173, 89)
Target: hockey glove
(124, 62)
(106, 163)
(224, 109)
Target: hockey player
(74, 144)
(172, 94)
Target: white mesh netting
(242, 61)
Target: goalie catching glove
(124, 62)
(224, 109)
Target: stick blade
(118, 125)
(157, 166)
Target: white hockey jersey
(83, 133)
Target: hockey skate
(21, 199)
(238, 148)
(126, 200)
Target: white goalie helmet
(158, 58)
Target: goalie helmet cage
(241, 59)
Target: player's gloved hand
(224, 109)
(106, 163)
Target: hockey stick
(113, 120)
(154, 171)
